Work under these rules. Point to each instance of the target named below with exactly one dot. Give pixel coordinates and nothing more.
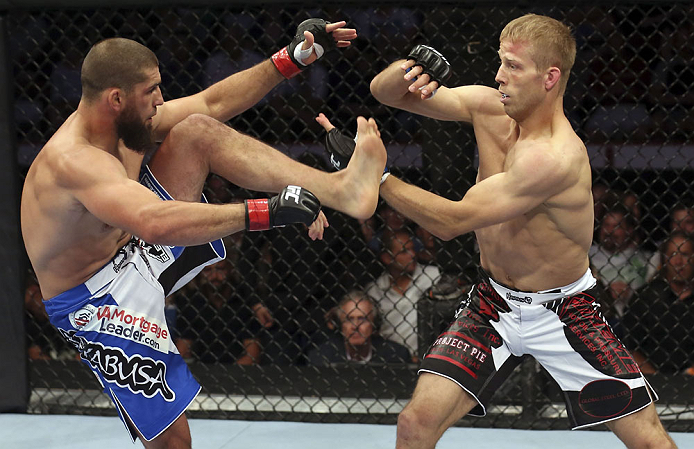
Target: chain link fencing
(263, 330)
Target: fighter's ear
(552, 76)
(115, 99)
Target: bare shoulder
(78, 163)
(479, 101)
(552, 165)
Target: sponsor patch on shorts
(605, 398)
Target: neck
(680, 288)
(541, 121)
(99, 126)
(400, 281)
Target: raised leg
(200, 145)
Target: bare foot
(361, 179)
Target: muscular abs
(545, 247)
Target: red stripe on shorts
(470, 340)
(455, 362)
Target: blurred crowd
(354, 297)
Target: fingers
(429, 90)
(408, 64)
(330, 27)
(342, 36)
(324, 122)
(315, 231)
(422, 81)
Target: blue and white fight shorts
(116, 321)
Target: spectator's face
(357, 325)
(679, 260)
(615, 233)
(683, 220)
(392, 219)
(402, 253)
(631, 202)
(216, 274)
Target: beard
(136, 134)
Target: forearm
(241, 91)
(185, 224)
(441, 217)
(389, 87)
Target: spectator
(681, 219)
(619, 262)
(215, 325)
(391, 221)
(294, 276)
(398, 289)
(357, 319)
(659, 320)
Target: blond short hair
(552, 44)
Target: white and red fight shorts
(561, 328)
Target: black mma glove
(292, 205)
(432, 62)
(289, 59)
(340, 147)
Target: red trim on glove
(257, 215)
(284, 64)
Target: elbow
(445, 235)
(444, 232)
(150, 234)
(151, 230)
(378, 91)
(375, 89)
(450, 228)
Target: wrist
(384, 177)
(257, 215)
(284, 64)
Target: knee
(195, 131)
(413, 426)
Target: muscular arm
(99, 182)
(238, 92)
(223, 100)
(456, 104)
(534, 177)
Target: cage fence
(263, 330)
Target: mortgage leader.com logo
(124, 323)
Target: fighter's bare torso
(546, 247)
(65, 243)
